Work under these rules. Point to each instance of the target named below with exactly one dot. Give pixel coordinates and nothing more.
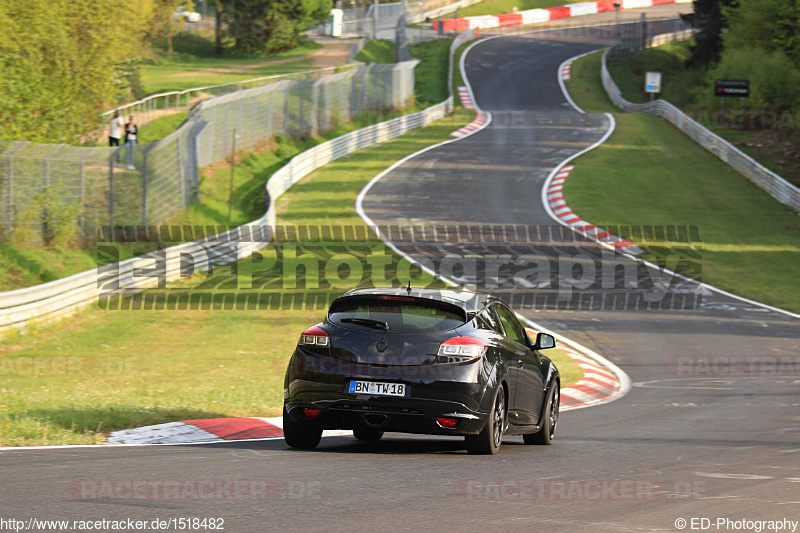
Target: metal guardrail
(775, 185)
(64, 297)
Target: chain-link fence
(172, 102)
(49, 191)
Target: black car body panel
(394, 337)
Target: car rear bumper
(405, 415)
(455, 391)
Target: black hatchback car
(426, 361)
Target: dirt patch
(779, 150)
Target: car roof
(470, 301)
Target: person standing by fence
(115, 129)
(131, 130)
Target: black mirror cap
(544, 341)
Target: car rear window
(399, 313)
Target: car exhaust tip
(375, 419)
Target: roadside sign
(652, 82)
(740, 88)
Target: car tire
(368, 434)
(487, 442)
(545, 435)
(300, 435)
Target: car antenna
(408, 289)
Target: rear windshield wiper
(370, 323)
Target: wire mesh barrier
(158, 105)
(776, 186)
(49, 191)
(115, 279)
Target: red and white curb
(207, 431)
(565, 68)
(597, 385)
(559, 207)
(472, 127)
(538, 16)
(466, 98)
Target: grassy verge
(72, 382)
(775, 148)
(649, 173)
(430, 86)
(377, 51)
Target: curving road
(677, 446)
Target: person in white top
(115, 129)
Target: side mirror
(544, 341)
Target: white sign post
(652, 83)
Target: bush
(773, 77)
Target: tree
(273, 25)
(773, 25)
(708, 17)
(57, 64)
(166, 22)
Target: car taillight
(316, 336)
(396, 298)
(464, 347)
(310, 413)
(447, 422)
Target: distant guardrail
(775, 185)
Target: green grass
(377, 51)
(678, 82)
(24, 266)
(568, 369)
(585, 86)
(458, 79)
(72, 382)
(649, 173)
(499, 7)
(161, 127)
(193, 68)
(430, 75)
(774, 148)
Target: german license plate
(377, 388)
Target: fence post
(144, 187)
(269, 115)
(111, 163)
(82, 192)
(10, 155)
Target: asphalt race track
(684, 443)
